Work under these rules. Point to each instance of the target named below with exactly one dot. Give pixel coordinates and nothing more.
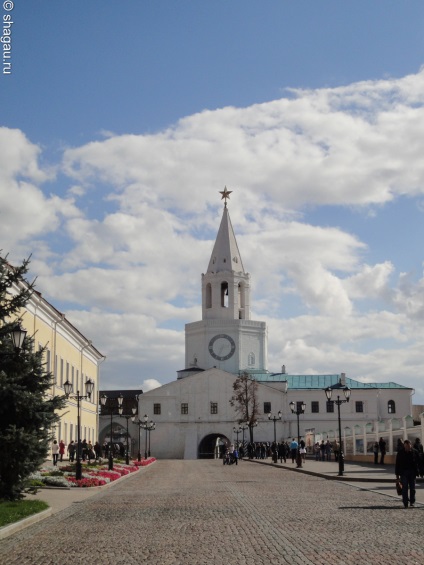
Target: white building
(192, 412)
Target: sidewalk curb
(345, 478)
(6, 531)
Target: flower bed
(144, 462)
(91, 476)
(110, 475)
(86, 482)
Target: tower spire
(225, 255)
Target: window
(267, 407)
(48, 361)
(359, 406)
(224, 295)
(391, 407)
(251, 359)
(209, 295)
(56, 372)
(214, 407)
(315, 407)
(299, 406)
(184, 408)
(330, 406)
(156, 409)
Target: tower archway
(212, 446)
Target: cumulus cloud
(150, 384)
(123, 253)
(26, 213)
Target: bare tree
(245, 401)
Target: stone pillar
(364, 434)
(390, 446)
(405, 433)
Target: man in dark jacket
(406, 470)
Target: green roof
(317, 381)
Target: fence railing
(360, 439)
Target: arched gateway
(212, 446)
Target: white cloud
(26, 213)
(150, 384)
(125, 252)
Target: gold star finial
(225, 194)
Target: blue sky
(121, 122)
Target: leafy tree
(245, 401)
(27, 414)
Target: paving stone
(202, 512)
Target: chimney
(343, 379)
(283, 369)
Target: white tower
(226, 337)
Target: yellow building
(69, 355)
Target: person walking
(328, 450)
(322, 448)
(382, 446)
(302, 449)
(97, 450)
(71, 451)
(61, 450)
(282, 454)
(418, 446)
(55, 452)
(406, 470)
(293, 450)
(375, 451)
(336, 449)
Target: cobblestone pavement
(198, 512)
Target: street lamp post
(18, 335)
(152, 426)
(127, 417)
(237, 432)
(148, 427)
(275, 419)
(300, 410)
(339, 402)
(135, 421)
(89, 386)
(103, 400)
(145, 418)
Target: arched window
(251, 359)
(224, 294)
(209, 295)
(391, 407)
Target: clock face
(222, 347)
